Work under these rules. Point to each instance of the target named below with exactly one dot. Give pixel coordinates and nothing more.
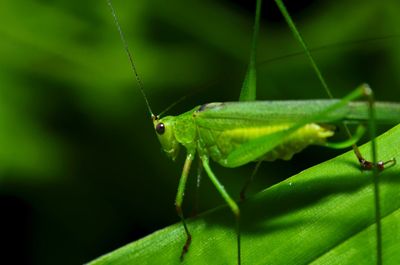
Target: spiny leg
(365, 164)
(179, 200)
(368, 165)
(249, 180)
(351, 142)
(232, 204)
(374, 165)
(371, 112)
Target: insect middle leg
(232, 204)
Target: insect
(236, 133)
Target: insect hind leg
(368, 165)
(364, 163)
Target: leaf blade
(323, 215)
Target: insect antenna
(173, 105)
(336, 45)
(133, 66)
(193, 92)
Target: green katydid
(236, 133)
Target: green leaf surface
(323, 215)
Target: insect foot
(185, 248)
(367, 165)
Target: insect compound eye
(160, 128)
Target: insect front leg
(232, 204)
(179, 199)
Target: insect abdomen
(311, 134)
(220, 143)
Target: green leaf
(323, 215)
(249, 87)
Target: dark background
(81, 171)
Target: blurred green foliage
(81, 172)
